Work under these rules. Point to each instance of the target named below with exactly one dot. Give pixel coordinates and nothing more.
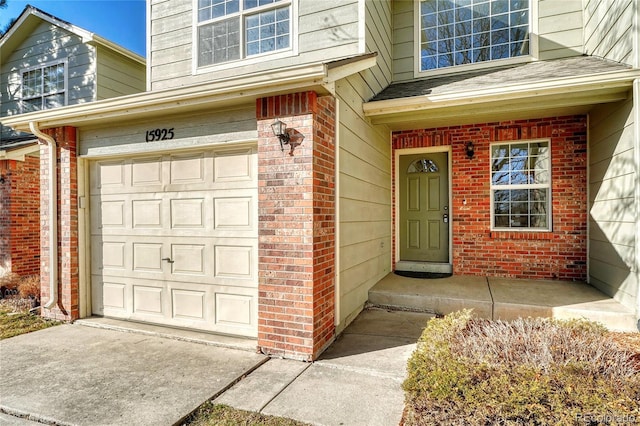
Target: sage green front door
(424, 207)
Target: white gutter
(53, 215)
(636, 154)
(202, 96)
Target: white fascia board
(156, 102)
(350, 67)
(611, 80)
(96, 39)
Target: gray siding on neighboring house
(364, 190)
(608, 29)
(118, 75)
(612, 213)
(46, 44)
(559, 33)
(326, 30)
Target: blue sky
(120, 21)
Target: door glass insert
(423, 165)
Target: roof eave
(235, 90)
(569, 85)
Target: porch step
(502, 298)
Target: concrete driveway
(78, 375)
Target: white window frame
(42, 95)
(417, 59)
(548, 186)
(292, 50)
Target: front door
(424, 207)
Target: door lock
(445, 218)
(168, 259)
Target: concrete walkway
(357, 381)
(80, 375)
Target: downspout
(53, 215)
(636, 154)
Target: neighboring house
(47, 63)
(494, 138)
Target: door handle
(445, 218)
(168, 259)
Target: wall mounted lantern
(280, 131)
(470, 149)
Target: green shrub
(529, 371)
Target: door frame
(396, 158)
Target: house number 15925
(159, 134)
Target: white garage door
(174, 239)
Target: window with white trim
(230, 30)
(44, 87)
(521, 186)
(459, 32)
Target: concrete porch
(502, 298)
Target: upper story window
(44, 87)
(459, 32)
(229, 30)
(521, 185)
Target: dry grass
(210, 414)
(534, 371)
(14, 322)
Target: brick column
(68, 284)
(296, 208)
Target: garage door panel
(174, 239)
(146, 172)
(147, 257)
(188, 168)
(188, 213)
(234, 166)
(189, 259)
(188, 305)
(146, 214)
(108, 175)
(234, 310)
(109, 214)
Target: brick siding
(20, 216)
(296, 208)
(560, 254)
(68, 263)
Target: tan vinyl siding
(49, 44)
(612, 215)
(403, 46)
(364, 199)
(118, 76)
(325, 30)
(559, 28)
(608, 29)
(378, 39)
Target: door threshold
(442, 268)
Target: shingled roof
(502, 76)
